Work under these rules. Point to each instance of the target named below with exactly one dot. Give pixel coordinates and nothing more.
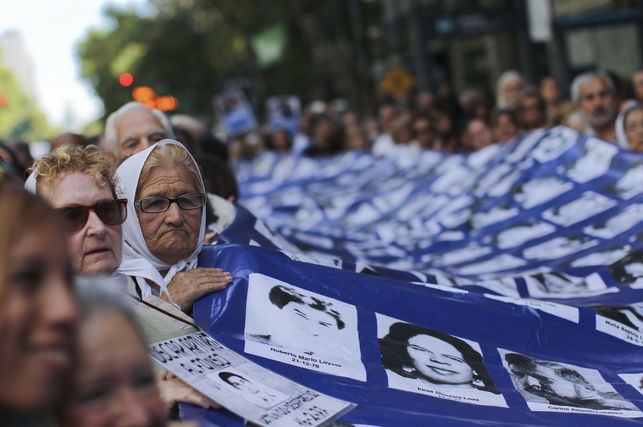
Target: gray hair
(103, 294)
(502, 81)
(585, 78)
(111, 142)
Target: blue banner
(500, 287)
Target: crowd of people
(131, 210)
(601, 104)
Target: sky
(51, 29)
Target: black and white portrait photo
(629, 270)
(621, 321)
(595, 162)
(248, 388)
(521, 233)
(560, 284)
(295, 326)
(630, 183)
(618, 223)
(426, 361)
(540, 190)
(548, 385)
(628, 315)
(559, 247)
(581, 208)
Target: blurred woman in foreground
(114, 383)
(38, 311)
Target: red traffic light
(126, 79)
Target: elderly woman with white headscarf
(162, 240)
(629, 126)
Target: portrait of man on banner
(290, 324)
(546, 385)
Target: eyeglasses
(187, 202)
(112, 212)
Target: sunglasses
(112, 212)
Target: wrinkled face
(38, 316)
(137, 130)
(309, 322)
(438, 361)
(637, 85)
(96, 248)
(634, 130)
(598, 102)
(172, 235)
(545, 381)
(505, 128)
(114, 383)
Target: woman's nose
(174, 214)
(438, 359)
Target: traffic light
(126, 79)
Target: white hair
(501, 100)
(585, 78)
(111, 142)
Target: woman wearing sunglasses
(79, 183)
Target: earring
(477, 381)
(408, 369)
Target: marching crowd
(128, 213)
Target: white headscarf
(621, 138)
(138, 261)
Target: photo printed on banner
(521, 233)
(424, 361)
(629, 270)
(247, 388)
(621, 321)
(584, 206)
(560, 140)
(630, 183)
(623, 221)
(559, 247)
(540, 190)
(563, 285)
(302, 328)
(549, 386)
(594, 163)
(635, 380)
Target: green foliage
(189, 48)
(20, 118)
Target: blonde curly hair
(73, 158)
